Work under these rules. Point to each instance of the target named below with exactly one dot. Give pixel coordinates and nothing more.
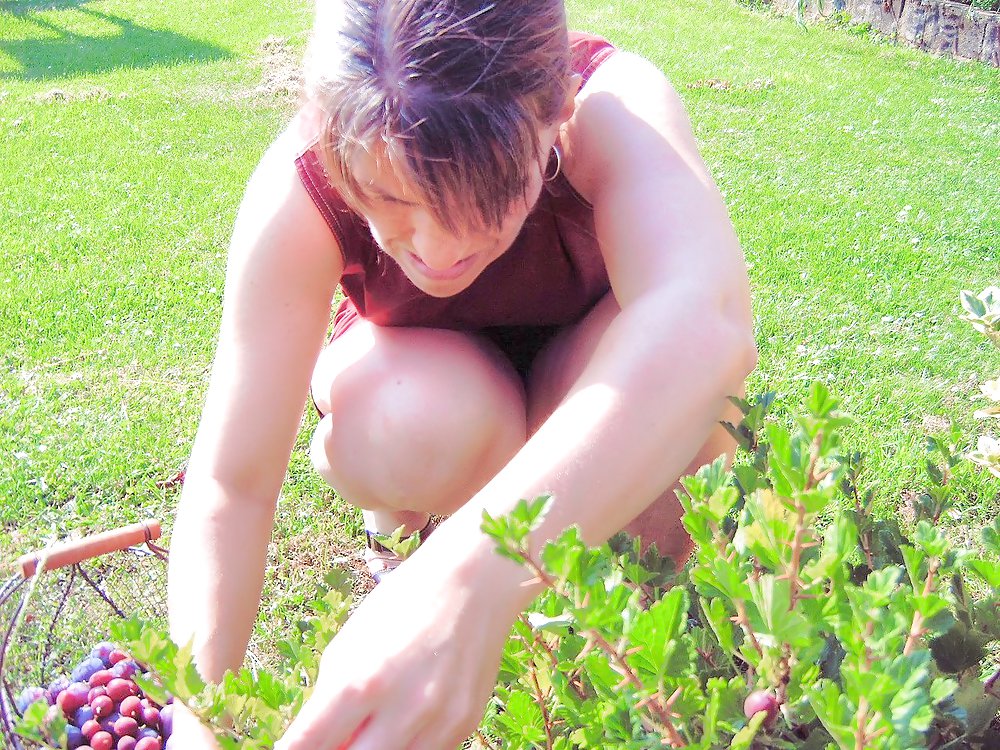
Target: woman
(545, 294)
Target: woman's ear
(569, 103)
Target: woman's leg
(555, 371)
(417, 420)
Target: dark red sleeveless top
(552, 274)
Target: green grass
(860, 176)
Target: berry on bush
(761, 700)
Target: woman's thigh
(415, 418)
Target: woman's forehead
(381, 170)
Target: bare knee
(422, 426)
(660, 523)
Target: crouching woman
(544, 294)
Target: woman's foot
(385, 548)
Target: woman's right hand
(189, 733)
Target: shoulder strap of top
(587, 52)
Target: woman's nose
(436, 247)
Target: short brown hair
(459, 88)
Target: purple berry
(86, 668)
(167, 720)
(125, 669)
(108, 723)
(83, 715)
(103, 652)
(74, 738)
(31, 695)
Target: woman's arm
(657, 384)
(282, 271)
(633, 421)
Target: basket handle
(70, 553)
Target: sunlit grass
(861, 178)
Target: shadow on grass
(62, 52)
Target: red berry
(90, 728)
(116, 656)
(96, 692)
(101, 678)
(151, 716)
(126, 725)
(148, 743)
(126, 743)
(761, 700)
(119, 689)
(103, 705)
(102, 741)
(73, 698)
(130, 706)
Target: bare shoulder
(629, 122)
(278, 215)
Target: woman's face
(438, 261)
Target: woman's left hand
(413, 667)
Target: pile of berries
(105, 709)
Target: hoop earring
(558, 169)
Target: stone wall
(937, 26)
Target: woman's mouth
(443, 274)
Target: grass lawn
(861, 178)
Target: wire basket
(50, 621)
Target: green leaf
(958, 649)
(718, 619)
(744, 738)
(784, 624)
(188, 682)
(820, 402)
(833, 710)
(942, 688)
(656, 632)
(979, 707)
(561, 624)
(913, 559)
(972, 303)
(991, 536)
(930, 539)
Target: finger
(322, 726)
(434, 738)
(389, 729)
(451, 726)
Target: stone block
(883, 15)
(945, 28)
(919, 22)
(990, 52)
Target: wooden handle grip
(69, 553)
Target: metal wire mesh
(48, 627)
